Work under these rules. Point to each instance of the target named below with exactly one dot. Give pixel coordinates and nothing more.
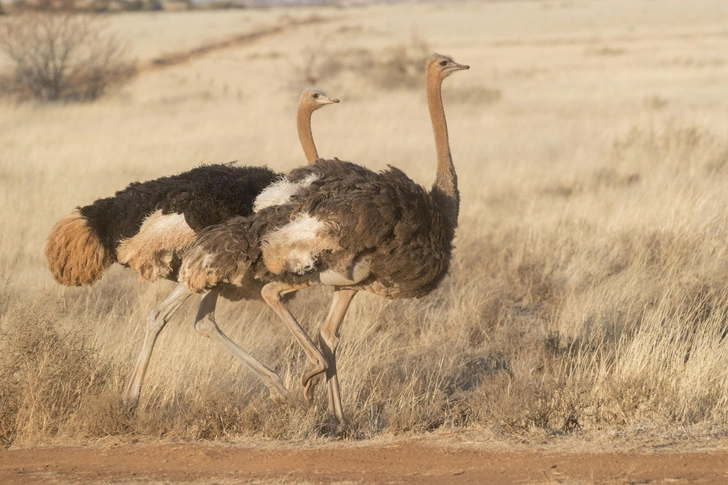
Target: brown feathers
(344, 215)
(161, 239)
(75, 254)
(220, 255)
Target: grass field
(589, 290)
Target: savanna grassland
(588, 296)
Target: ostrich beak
(327, 100)
(454, 67)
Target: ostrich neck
(445, 189)
(305, 135)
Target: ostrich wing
(222, 253)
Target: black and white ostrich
(148, 227)
(341, 225)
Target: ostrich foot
(278, 395)
(342, 429)
(309, 387)
(312, 376)
(129, 402)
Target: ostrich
(148, 227)
(342, 226)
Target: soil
(400, 462)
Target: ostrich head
(313, 99)
(442, 66)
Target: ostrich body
(345, 226)
(148, 227)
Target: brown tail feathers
(75, 254)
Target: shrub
(400, 66)
(63, 57)
(46, 373)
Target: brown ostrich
(148, 227)
(343, 226)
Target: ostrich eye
(315, 95)
(443, 63)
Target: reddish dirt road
(400, 462)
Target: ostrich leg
(329, 341)
(205, 325)
(156, 321)
(272, 293)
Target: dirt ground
(411, 461)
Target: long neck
(305, 135)
(445, 188)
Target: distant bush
(400, 66)
(62, 57)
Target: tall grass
(559, 328)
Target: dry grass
(588, 291)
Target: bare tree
(63, 56)
(315, 62)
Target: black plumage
(205, 195)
